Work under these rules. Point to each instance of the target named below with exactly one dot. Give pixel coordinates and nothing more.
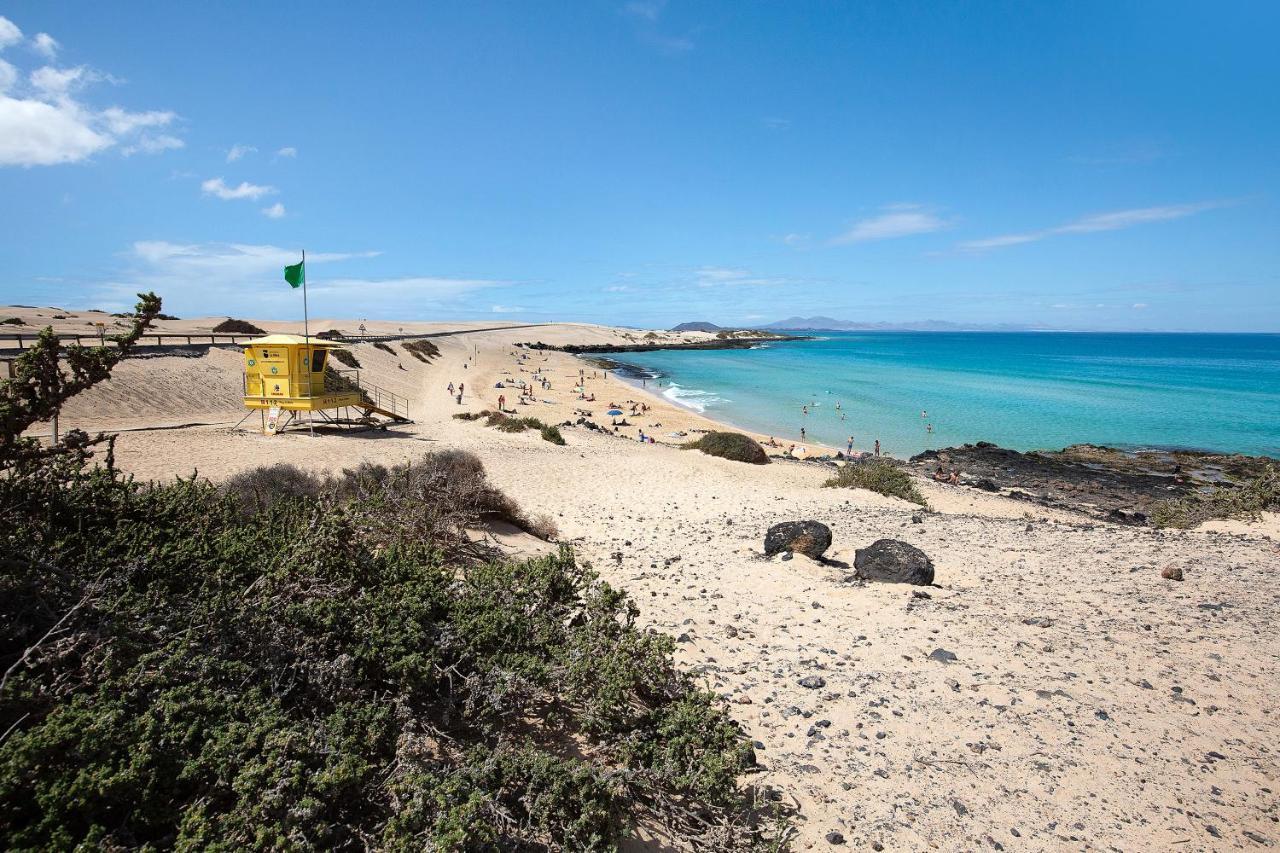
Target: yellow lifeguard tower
(288, 374)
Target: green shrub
(230, 326)
(552, 434)
(730, 445)
(384, 347)
(877, 475)
(12, 321)
(1247, 501)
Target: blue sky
(1078, 165)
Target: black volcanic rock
(894, 561)
(810, 538)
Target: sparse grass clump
(877, 475)
(422, 350)
(730, 445)
(1247, 501)
(384, 346)
(345, 356)
(12, 321)
(506, 423)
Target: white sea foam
(692, 398)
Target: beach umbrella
(613, 413)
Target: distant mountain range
(697, 326)
(830, 324)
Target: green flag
(295, 275)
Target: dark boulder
(810, 538)
(986, 484)
(893, 561)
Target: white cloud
(901, 220)
(238, 151)
(1140, 305)
(287, 151)
(34, 133)
(275, 211)
(9, 33)
(148, 144)
(235, 259)
(1113, 221)
(218, 187)
(44, 122)
(507, 309)
(46, 45)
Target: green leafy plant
(877, 475)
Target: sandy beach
(1086, 703)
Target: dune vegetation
(880, 476)
(730, 445)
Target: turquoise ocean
(1033, 390)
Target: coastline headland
(743, 342)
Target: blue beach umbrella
(613, 413)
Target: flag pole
(306, 336)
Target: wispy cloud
(153, 144)
(1112, 221)
(647, 15)
(287, 151)
(899, 220)
(45, 121)
(45, 45)
(275, 211)
(237, 151)
(730, 277)
(776, 123)
(218, 187)
(507, 309)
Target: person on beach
(461, 388)
(450, 389)
(877, 447)
(502, 402)
(848, 448)
(802, 433)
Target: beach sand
(1090, 704)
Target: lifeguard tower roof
(286, 340)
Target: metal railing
(21, 340)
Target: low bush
(730, 445)
(1247, 501)
(12, 321)
(385, 347)
(552, 434)
(877, 475)
(232, 326)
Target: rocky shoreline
(1113, 485)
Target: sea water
(919, 390)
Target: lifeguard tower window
(319, 358)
